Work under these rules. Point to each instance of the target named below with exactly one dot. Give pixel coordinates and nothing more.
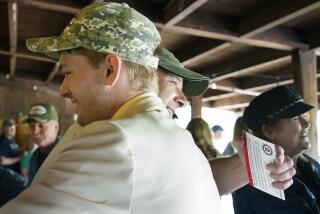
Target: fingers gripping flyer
(258, 153)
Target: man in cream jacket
(125, 154)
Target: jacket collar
(142, 103)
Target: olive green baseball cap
(42, 113)
(105, 28)
(194, 84)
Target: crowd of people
(125, 153)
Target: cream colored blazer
(142, 163)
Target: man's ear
(113, 65)
(268, 131)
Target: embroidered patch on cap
(37, 110)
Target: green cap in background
(194, 84)
(105, 28)
(42, 113)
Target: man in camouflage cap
(125, 154)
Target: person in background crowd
(44, 130)
(9, 149)
(279, 116)
(238, 130)
(26, 158)
(217, 132)
(202, 136)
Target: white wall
(213, 116)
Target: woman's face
(291, 134)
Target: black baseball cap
(277, 103)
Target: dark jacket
(38, 158)
(11, 183)
(303, 197)
(10, 149)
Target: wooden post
(196, 105)
(304, 75)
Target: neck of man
(47, 147)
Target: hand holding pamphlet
(258, 153)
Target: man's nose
(35, 129)
(304, 122)
(64, 89)
(180, 98)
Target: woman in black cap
(278, 116)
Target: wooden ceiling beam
(47, 6)
(217, 30)
(285, 41)
(176, 11)
(251, 60)
(53, 73)
(234, 89)
(13, 37)
(28, 56)
(195, 59)
(264, 27)
(254, 69)
(275, 15)
(195, 48)
(256, 88)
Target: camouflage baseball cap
(106, 28)
(42, 113)
(194, 84)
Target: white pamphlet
(258, 153)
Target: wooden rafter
(257, 88)
(234, 89)
(29, 56)
(254, 68)
(249, 63)
(13, 31)
(264, 24)
(178, 10)
(275, 15)
(47, 6)
(53, 73)
(207, 50)
(195, 28)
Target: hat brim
(51, 46)
(34, 119)
(194, 84)
(296, 110)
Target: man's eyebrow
(176, 77)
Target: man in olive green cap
(176, 82)
(125, 154)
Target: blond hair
(200, 132)
(141, 78)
